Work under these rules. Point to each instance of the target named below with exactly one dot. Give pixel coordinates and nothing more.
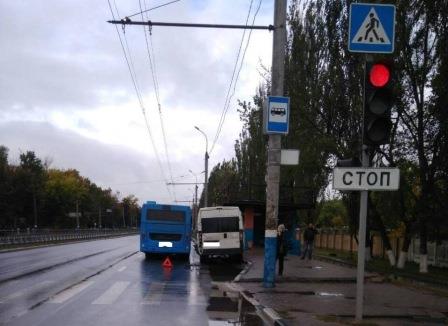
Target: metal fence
(343, 241)
(10, 238)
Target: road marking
(155, 293)
(22, 292)
(122, 268)
(71, 292)
(112, 293)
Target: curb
(266, 313)
(244, 271)
(304, 280)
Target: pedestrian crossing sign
(371, 28)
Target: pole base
(270, 257)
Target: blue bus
(165, 229)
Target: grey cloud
(62, 55)
(119, 167)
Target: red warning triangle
(167, 263)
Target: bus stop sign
(276, 115)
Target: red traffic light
(379, 75)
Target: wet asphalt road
(108, 282)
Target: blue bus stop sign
(276, 115)
(371, 28)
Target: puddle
(320, 294)
(329, 294)
(230, 308)
(311, 267)
(225, 307)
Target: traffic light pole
(363, 202)
(274, 148)
(361, 242)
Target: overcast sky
(66, 92)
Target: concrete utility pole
(274, 147)
(195, 199)
(206, 167)
(206, 180)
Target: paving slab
(313, 292)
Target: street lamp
(206, 167)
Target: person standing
(308, 236)
(281, 247)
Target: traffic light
(378, 101)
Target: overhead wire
(234, 80)
(152, 64)
(145, 182)
(132, 73)
(156, 7)
(233, 76)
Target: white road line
(23, 292)
(112, 293)
(71, 292)
(155, 293)
(122, 268)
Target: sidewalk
(320, 293)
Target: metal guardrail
(10, 238)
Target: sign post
(371, 30)
(364, 179)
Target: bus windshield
(220, 224)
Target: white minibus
(220, 232)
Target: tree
(421, 49)
(130, 210)
(223, 183)
(64, 190)
(34, 176)
(332, 213)
(5, 188)
(250, 149)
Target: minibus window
(220, 224)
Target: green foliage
(32, 195)
(325, 84)
(223, 183)
(63, 190)
(250, 149)
(332, 213)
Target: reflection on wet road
(133, 291)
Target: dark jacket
(309, 234)
(282, 245)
